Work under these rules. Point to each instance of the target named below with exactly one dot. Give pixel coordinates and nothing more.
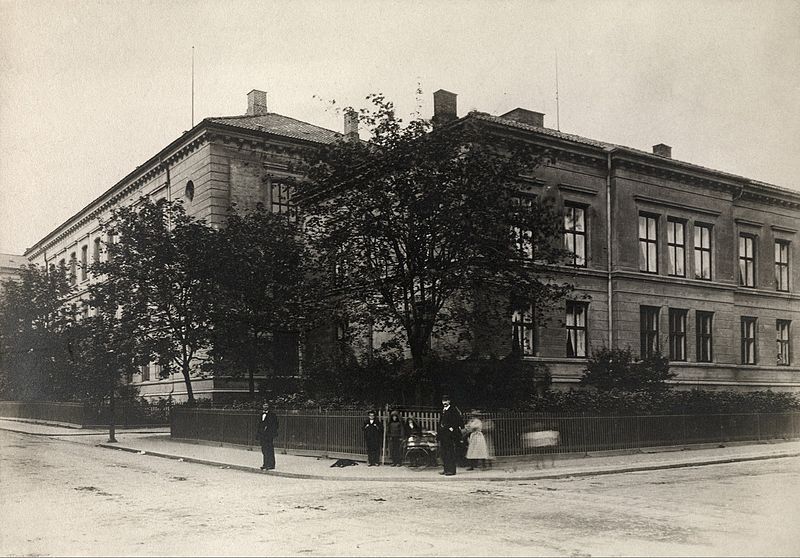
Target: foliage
(618, 369)
(258, 295)
(37, 335)
(157, 274)
(408, 227)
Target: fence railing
(84, 414)
(340, 432)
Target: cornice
(676, 205)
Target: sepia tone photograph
(388, 278)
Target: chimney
(525, 116)
(444, 106)
(351, 125)
(256, 103)
(662, 150)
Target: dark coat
(396, 429)
(451, 419)
(267, 428)
(373, 433)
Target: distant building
(9, 267)
(696, 263)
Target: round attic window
(190, 190)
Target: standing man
(267, 431)
(373, 437)
(449, 435)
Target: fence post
(683, 429)
(758, 426)
(325, 418)
(285, 432)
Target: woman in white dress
(478, 449)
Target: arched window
(189, 190)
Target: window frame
(701, 252)
(673, 247)
(649, 243)
(749, 345)
(677, 336)
(73, 268)
(283, 203)
(523, 330)
(648, 330)
(575, 234)
(701, 336)
(782, 265)
(84, 262)
(784, 345)
(579, 330)
(748, 261)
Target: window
(73, 268)
(575, 234)
(748, 340)
(648, 246)
(523, 238)
(84, 261)
(676, 248)
(648, 330)
(781, 265)
(523, 331)
(189, 190)
(96, 254)
(747, 261)
(576, 329)
(145, 369)
(677, 334)
(280, 199)
(784, 348)
(702, 252)
(705, 349)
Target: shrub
(617, 369)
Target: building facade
(698, 264)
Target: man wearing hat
(267, 431)
(449, 434)
(373, 437)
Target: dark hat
(445, 397)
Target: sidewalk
(159, 444)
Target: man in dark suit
(267, 431)
(373, 437)
(449, 435)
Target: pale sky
(89, 90)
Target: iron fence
(86, 414)
(509, 433)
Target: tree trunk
(187, 379)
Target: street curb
(541, 476)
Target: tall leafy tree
(258, 301)
(156, 273)
(36, 333)
(426, 230)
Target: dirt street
(65, 498)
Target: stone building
(697, 263)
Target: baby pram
(421, 450)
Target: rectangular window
(281, 200)
(704, 331)
(84, 261)
(523, 331)
(702, 252)
(677, 334)
(648, 330)
(575, 234)
(96, 253)
(648, 244)
(145, 372)
(749, 341)
(523, 242)
(784, 347)
(576, 329)
(676, 248)
(73, 268)
(781, 265)
(747, 261)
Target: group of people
(453, 436)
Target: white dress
(477, 441)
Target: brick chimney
(662, 150)
(256, 103)
(525, 116)
(351, 125)
(444, 106)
